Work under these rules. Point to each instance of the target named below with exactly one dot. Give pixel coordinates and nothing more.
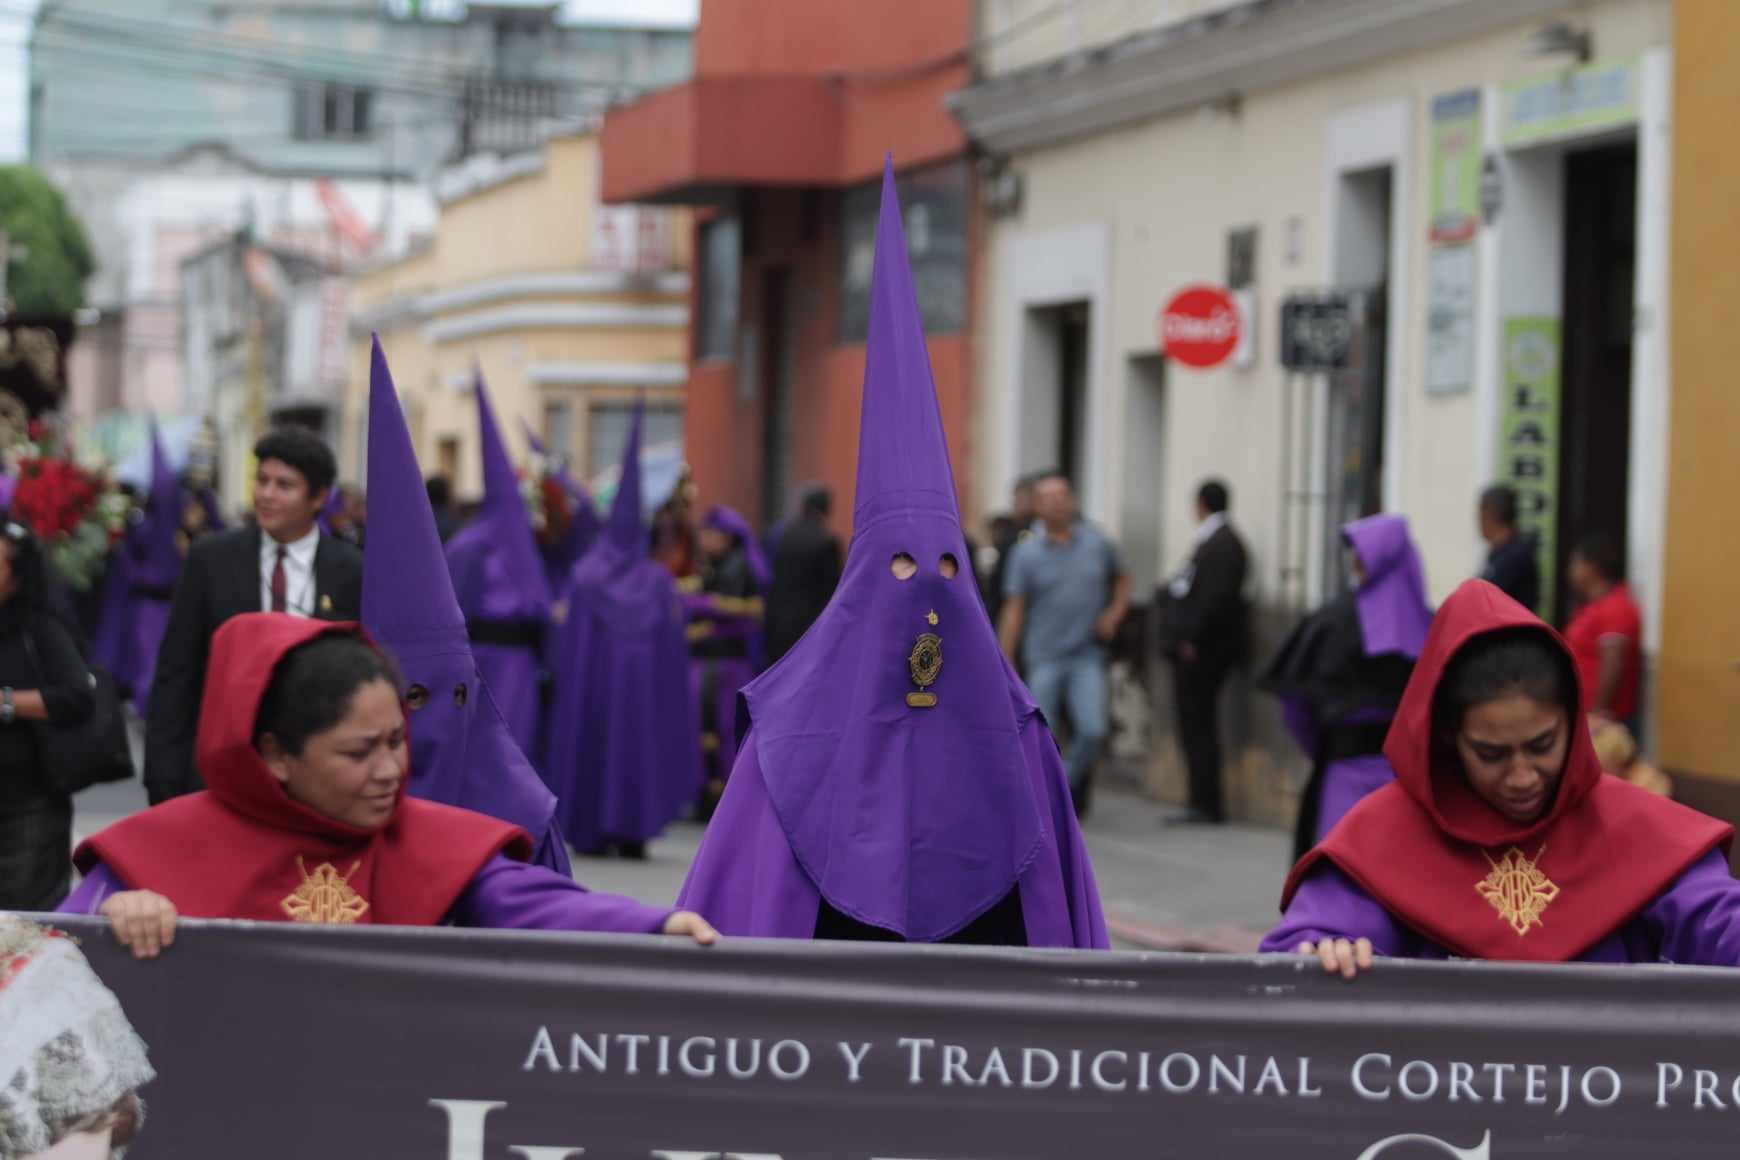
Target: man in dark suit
(1206, 631)
(806, 569)
(280, 564)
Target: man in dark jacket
(1512, 562)
(1206, 632)
(806, 569)
(282, 563)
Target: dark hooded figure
(140, 584)
(499, 579)
(568, 533)
(1341, 673)
(897, 781)
(462, 753)
(725, 616)
(622, 748)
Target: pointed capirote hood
(461, 752)
(160, 558)
(495, 560)
(625, 529)
(889, 737)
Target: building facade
(569, 308)
(1480, 188)
(779, 141)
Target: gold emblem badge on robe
(925, 665)
(325, 896)
(1518, 890)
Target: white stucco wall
(1164, 195)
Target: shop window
(934, 202)
(607, 431)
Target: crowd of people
(420, 730)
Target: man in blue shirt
(1064, 594)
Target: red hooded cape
(243, 849)
(1442, 861)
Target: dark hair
(817, 500)
(1514, 660)
(1499, 501)
(1046, 476)
(313, 686)
(1214, 496)
(29, 570)
(303, 450)
(1601, 552)
(440, 490)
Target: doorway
(1054, 390)
(776, 404)
(1600, 209)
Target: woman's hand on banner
(1340, 956)
(143, 922)
(689, 923)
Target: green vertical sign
(1455, 175)
(1528, 436)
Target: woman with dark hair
(305, 817)
(42, 678)
(1502, 838)
(1341, 673)
(725, 613)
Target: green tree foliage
(34, 214)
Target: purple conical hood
(461, 753)
(496, 568)
(159, 562)
(1393, 612)
(911, 818)
(625, 529)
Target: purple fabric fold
(731, 522)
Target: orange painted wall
(782, 37)
(1698, 672)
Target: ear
(277, 758)
(320, 498)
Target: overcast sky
(15, 29)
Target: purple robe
(622, 747)
(462, 753)
(499, 579)
(504, 895)
(896, 770)
(583, 522)
(136, 595)
(1695, 921)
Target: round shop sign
(1200, 326)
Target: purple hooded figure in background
(461, 751)
(140, 584)
(1341, 672)
(622, 751)
(499, 579)
(562, 550)
(897, 781)
(726, 611)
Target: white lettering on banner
(1366, 1093)
(465, 1123)
(1028, 1055)
(1481, 1151)
(544, 1152)
(854, 1060)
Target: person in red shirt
(1606, 631)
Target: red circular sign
(1200, 326)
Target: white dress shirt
(1186, 576)
(298, 573)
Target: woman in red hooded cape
(1502, 838)
(302, 744)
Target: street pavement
(1164, 888)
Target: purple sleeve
(517, 896)
(1696, 921)
(1299, 721)
(1329, 904)
(96, 887)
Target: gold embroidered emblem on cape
(1517, 889)
(325, 896)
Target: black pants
(1196, 695)
(35, 851)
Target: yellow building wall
(1698, 683)
(541, 222)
